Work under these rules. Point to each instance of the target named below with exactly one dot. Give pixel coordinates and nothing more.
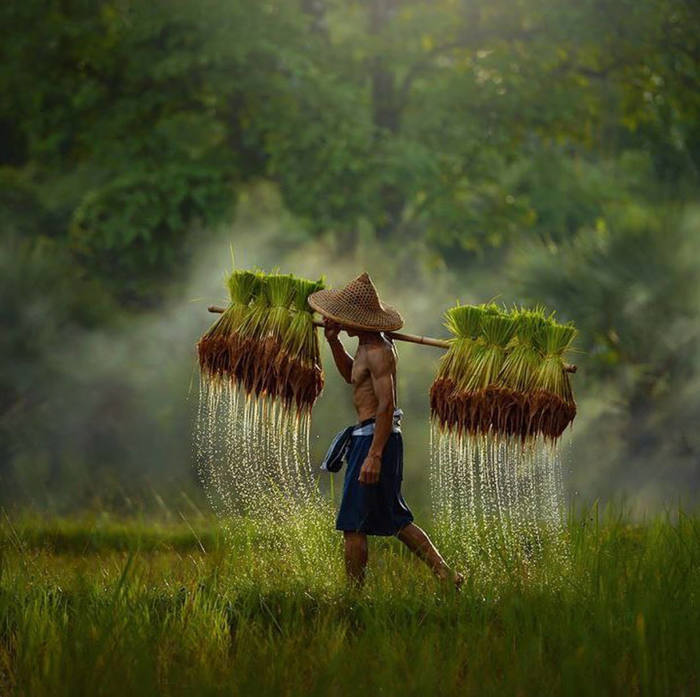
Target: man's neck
(370, 338)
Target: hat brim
(329, 303)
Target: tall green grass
(137, 609)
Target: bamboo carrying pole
(398, 336)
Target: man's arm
(382, 365)
(341, 357)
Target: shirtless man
(372, 501)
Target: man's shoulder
(383, 346)
(381, 356)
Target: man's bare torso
(363, 393)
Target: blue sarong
(374, 509)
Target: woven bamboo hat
(357, 306)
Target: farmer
(372, 503)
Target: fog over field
(113, 423)
(519, 151)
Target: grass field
(107, 607)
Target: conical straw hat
(357, 306)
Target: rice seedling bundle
(464, 321)
(268, 325)
(504, 373)
(479, 400)
(220, 348)
(552, 402)
(298, 364)
(517, 373)
(265, 342)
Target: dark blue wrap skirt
(374, 509)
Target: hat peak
(361, 290)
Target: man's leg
(419, 543)
(355, 556)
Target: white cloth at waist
(368, 429)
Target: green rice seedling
(517, 374)
(252, 330)
(298, 364)
(478, 394)
(464, 322)
(242, 287)
(273, 328)
(522, 357)
(552, 402)
(489, 352)
(256, 319)
(219, 348)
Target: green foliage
(115, 120)
(621, 281)
(632, 286)
(439, 121)
(132, 230)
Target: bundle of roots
(504, 373)
(265, 342)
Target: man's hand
(331, 329)
(371, 467)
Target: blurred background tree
(546, 151)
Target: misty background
(527, 152)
